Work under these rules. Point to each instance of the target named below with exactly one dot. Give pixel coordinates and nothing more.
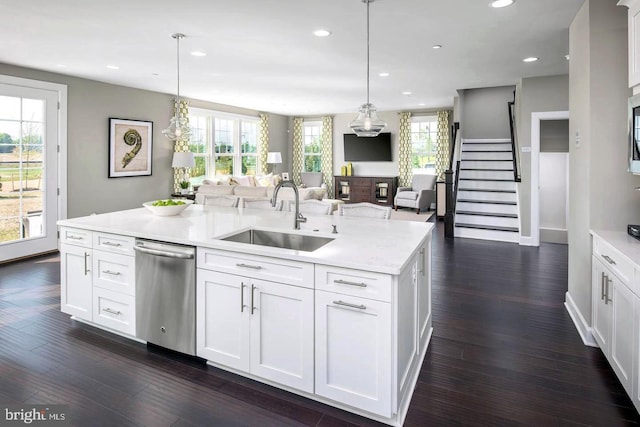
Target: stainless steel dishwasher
(166, 295)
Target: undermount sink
(298, 242)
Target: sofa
(255, 187)
(420, 195)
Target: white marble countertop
(370, 244)
(627, 245)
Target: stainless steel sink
(298, 242)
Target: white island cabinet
(347, 324)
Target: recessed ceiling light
(198, 53)
(113, 67)
(437, 46)
(61, 66)
(407, 93)
(566, 57)
(501, 3)
(384, 74)
(322, 33)
(530, 59)
(422, 104)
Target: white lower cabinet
(353, 351)
(114, 310)
(76, 284)
(261, 327)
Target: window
(424, 136)
(312, 146)
(223, 144)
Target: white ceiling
(261, 54)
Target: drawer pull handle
(253, 267)
(117, 245)
(113, 273)
(75, 238)
(253, 307)
(346, 304)
(242, 285)
(346, 282)
(86, 267)
(109, 310)
(609, 260)
(602, 286)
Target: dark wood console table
(373, 189)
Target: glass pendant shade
(367, 123)
(178, 129)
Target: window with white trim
(424, 137)
(312, 146)
(223, 144)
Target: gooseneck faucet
(298, 218)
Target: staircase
(487, 202)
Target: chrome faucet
(298, 218)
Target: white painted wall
(553, 197)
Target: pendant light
(178, 129)
(367, 122)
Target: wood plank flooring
(504, 352)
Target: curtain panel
(182, 108)
(327, 153)
(405, 150)
(263, 144)
(442, 143)
(298, 150)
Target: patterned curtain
(181, 144)
(404, 150)
(263, 144)
(327, 154)
(442, 143)
(298, 149)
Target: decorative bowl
(167, 210)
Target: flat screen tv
(366, 148)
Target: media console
(373, 189)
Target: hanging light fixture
(178, 127)
(367, 122)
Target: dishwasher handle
(167, 254)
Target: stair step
(496, 214)
(485, 179)
(486, 191)
(484, 142)
(485, 160)
(492, 202)
(487, 227)
(486, 151)
(486, 169)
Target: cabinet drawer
(76, 236)
(113, 243)
(613, 259)
(274, 269)
(361, 182)
(114, 271)
(354, 282)
(114, 310)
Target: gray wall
(602, 194)
(484, 113)
(90, 104)
(535, 94)
(554, 136)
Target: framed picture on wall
(130, 147)
(285, 176)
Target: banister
(514, 145)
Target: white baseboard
(584, 330)
(526, 241)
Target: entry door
(28, 171)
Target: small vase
(184, 191)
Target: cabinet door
(634, 43)
(75, 281)
(600, 310)
(353, 351)
(282, 333)
(223, 318)
(424, 294)
(622, 301)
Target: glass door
(28, 171)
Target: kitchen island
(347, 324)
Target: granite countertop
(377, 245)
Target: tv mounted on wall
(367, 149)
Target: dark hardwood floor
(504, 352)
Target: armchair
(419, 196)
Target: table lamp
(274, 158)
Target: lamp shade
(183, 159)
(274, 157)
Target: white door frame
(535, 168)
(61, 163)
